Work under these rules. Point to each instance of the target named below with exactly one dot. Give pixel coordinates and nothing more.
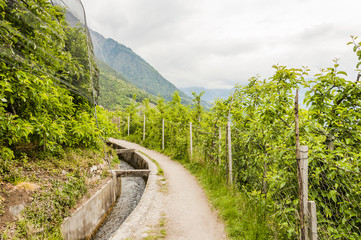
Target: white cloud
(219, 43)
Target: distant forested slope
(124, 61)
(115, 90)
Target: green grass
(159, 231)
(243, 218)
(160, 170)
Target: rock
(15, 210)
(27, 186)
(93, 169)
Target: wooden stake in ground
(219, 146)
(163, 134)
(264, 179)
(229, 152)
(118, 123)
(144, 128)
(226, 154)
(303, 227)
(190, 139)
(304, 180)
(128, 125)
(313, 220)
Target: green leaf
(342, 72)
(332, 195)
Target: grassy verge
(159, 231)
(50, 187)
(243, 219)
(160, 170)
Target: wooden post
(171, 137)
(143, 127)
(330, 143)
(226, 154)
(163, 134)
(297, 128)
(118, 123)
(219, 146)
(304, 180)
(123, 124)
(300, 161)
(264, 181)
(313, 220)
(128, 125)
(190, 138)
(229, 152)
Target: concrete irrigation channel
(132, 191)
(116, 210)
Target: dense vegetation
(48, 133)
(263, 146)
(46, 123)
(116, 91)
(44, 70)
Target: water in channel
(132, 190)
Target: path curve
(186, 208)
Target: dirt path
(187, 211)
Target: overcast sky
(218, 43)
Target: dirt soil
(187, 211)
(13, 198)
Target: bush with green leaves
(45, 92)
(262, 116)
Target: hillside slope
(124, 61)
(115, 90)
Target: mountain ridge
(133, 67)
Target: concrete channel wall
(132, 158)
(148, 211)
(86, 219)
(89, 217)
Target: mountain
(209, 94)
(124, 61)
(116, 91)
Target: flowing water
(132, 190)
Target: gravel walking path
(185, 207)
